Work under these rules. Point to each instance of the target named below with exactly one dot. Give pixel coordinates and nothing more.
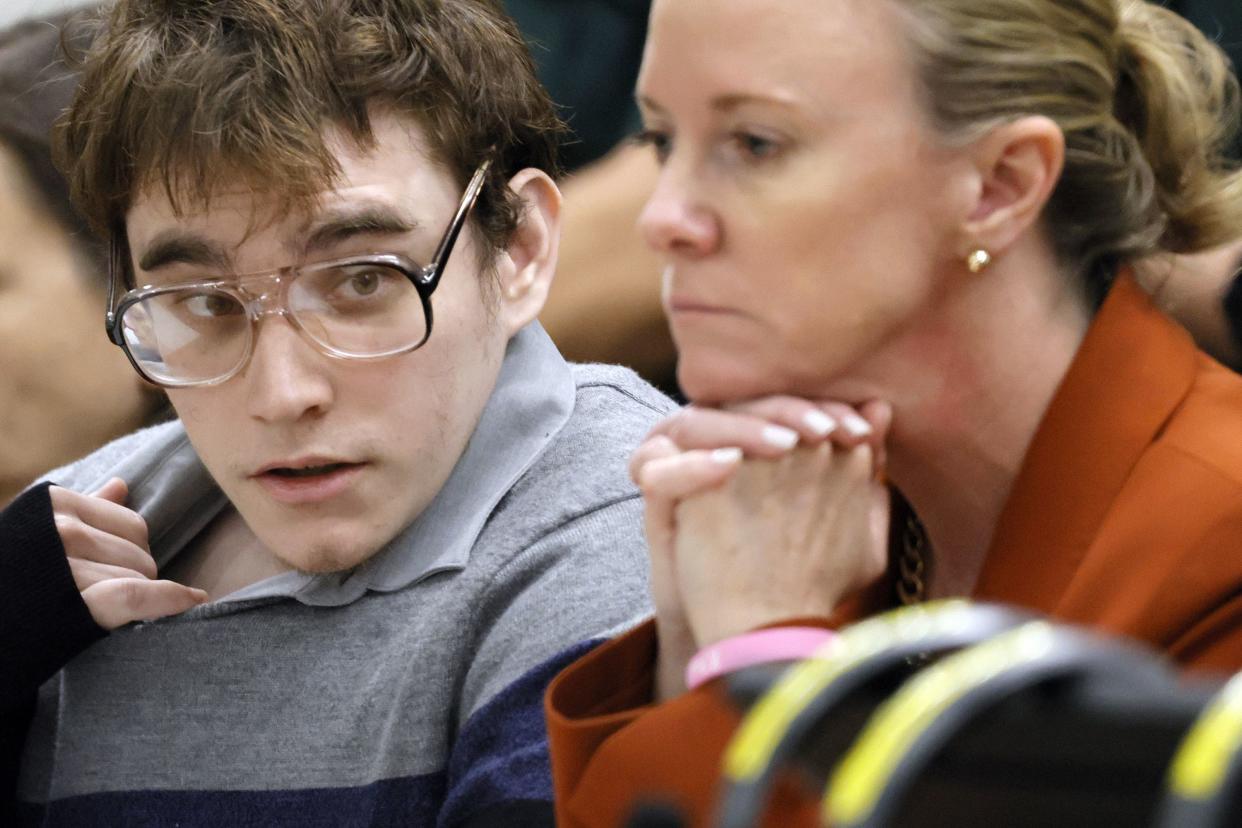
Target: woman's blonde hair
(1148, 106)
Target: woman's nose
(675, 222)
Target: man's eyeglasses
(362, 307)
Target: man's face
(328, 459)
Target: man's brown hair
(181, 94)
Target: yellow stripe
(750, 751)
(861, 777)
(1198, 769)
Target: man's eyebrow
(341, 224)
(176, 247)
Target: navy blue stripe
(501, 755)
(500, 763)
(392, 802)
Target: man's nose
(288, 379)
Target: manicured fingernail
(726, 456)
(856, 425)
(820, 423)
(780, 437)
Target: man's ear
(526, 267)
(1018, 166)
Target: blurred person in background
(605, 304)
(900, 240)
(64, 389)
(1203, 292)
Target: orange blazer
(1126, 516)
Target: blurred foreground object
(971, 714)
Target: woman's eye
(755, 147)
(660, 141)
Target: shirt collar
(1132, 371)
(532, 400)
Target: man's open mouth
(306, 484)
(310, 471)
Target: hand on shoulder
(110, 558)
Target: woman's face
(804, 206)
(64, 389)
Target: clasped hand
(106, 544)
(759, 513)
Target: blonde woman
(898, 237)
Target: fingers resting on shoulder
(116, 602)
(109, 555)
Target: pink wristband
(759, 647)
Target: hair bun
(1176, 94)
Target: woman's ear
(526, 267)
(1018, 166)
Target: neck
(969, 387)
(224, 558)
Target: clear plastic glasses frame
(274, 299)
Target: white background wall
(12, 11)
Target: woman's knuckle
(662, 426)
(786, 405)
(678, 426)
(861, 459)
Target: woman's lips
(679, 305)
(309, 485)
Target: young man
(388, 511)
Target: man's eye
(365, 283)
(359, 284)
(209, 305)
